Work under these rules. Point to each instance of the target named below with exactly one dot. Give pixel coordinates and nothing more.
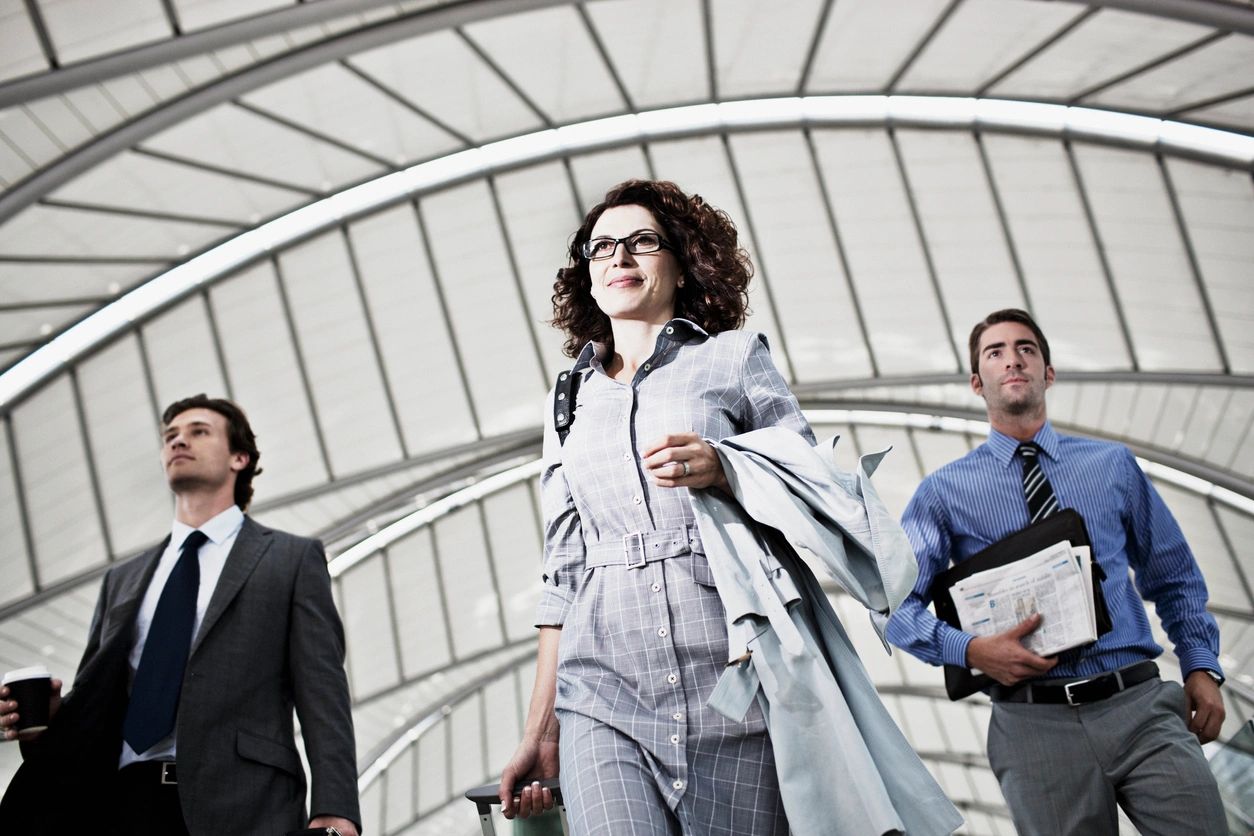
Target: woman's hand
(535, 758)
(684, 460)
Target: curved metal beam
(936, 112)
(224, 89)
(1217, 13)
(95, 70)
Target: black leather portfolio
(1067, 524)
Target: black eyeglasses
(640, 242)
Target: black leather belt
(1077, 691)
(156, 772)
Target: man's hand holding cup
(29, 699)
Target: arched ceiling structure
(346, 215)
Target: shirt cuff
(954, 646)
(1200, 659)
(553, 607)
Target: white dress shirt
(221, 531)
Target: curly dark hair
(705, 242)
(239, 437)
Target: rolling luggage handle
(485, 798)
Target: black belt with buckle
(1077, 691)
(159, 772)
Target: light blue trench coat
(845, 769)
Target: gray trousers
(1064, 770)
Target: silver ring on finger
(687, 469)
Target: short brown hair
(705, 243)
(1005, 315)
(239, 436)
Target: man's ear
(239, 461)
(1049, 376)
(977, 385)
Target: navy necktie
(155, 692)
(1037, 491)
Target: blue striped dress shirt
(973, 502)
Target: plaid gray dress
(644, 636)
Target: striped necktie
(1036, 488)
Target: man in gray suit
(180, 720)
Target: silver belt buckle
(638, 538)
(1066, 690)
(169, 776)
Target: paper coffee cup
(31, 687)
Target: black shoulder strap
(564, 394)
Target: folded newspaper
(1056, 582)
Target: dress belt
(640, 547)
(1077, 691)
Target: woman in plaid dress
(633, 635)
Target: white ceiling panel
(34, 324)
(337, 103)
(164, 82)
(1141, 239)
(399, 797)
(130, 94)
(79, 31)
(65, 522)
(1235, 114)
(57, 118)
(465, 575)
(1209, 414)
(484, 308)
(20, 53)
(335, 341)
(965, 236)
(1233, 426)
(1177, 409)
(123, 427)
(368, 628)
(1215, 70)
(136, 181)
(701, 166)
(13, 164)
(420, 606)
(1238, 530)
(798, 259)
(596, 174)
(201, 14)
(181, 354)
(67, 231)
(14, 560)
(1218, 206)
(470, 96)
(539, 217)
(651, 46)
(560, 70)
(903, 317)
(415, 342)
(504, 703)
(23, 133)
(433, 772)
(96, 106)
(935, 449)
(981, 39)
(861, 48)
(1104, 47)
(231, 137)
(467, 764)
(1055, 245)
(517, 557)
(1147, 407)
(761, 48)
(265, 381)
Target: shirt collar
(218, 529)
(677, 330)
(1004, 448)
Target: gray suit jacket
(270, 641)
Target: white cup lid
(33, 672)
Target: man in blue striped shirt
(1073, 735)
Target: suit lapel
(250, 544)
(130, 591)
